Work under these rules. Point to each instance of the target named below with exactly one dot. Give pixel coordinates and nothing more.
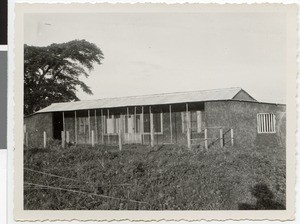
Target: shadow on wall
(264, 197)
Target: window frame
(136, 124)
(199, 114)
(140, 125)
(161, 126)
(115, 120)
(266, 123)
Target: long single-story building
(207, 118)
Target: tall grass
(139, 177)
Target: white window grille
(266, 123)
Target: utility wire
(87, 193)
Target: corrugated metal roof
(156, 99)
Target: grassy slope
(166, 178)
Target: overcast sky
(171, 52)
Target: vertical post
(45, 140)
(128, 135)
(188, 138)
(205, 138)
(142, 124)
(175, 126)
(75, 127)
(274, 122)
(122, 123)
(108, 138)
(264, 123)
(93, 138)
(134, 124)
(188, 131)
(67, 137)
(151, 128)
(114, 124)
(63, 136)
(199, 121)
(84, 129)
(120, 132)
(187, 116)
(63, 140)
(24, 136)
(171, 128)
(26, 139)
(64, 123)
(231, 135)
(96, 127)
(89, 120)
(102, 127)
(221, 138)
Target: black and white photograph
(156, 111)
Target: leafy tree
(52, 73)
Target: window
(157, 123)
(266, 123)
(112, 124)
(132, 123)
(138, 123)
(199, 120)
(196, 118)
(110, 127)
(146, 123)
(83, 124)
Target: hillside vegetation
(166, 177)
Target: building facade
(212, 118)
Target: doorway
(57, 125)
(132, 129)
